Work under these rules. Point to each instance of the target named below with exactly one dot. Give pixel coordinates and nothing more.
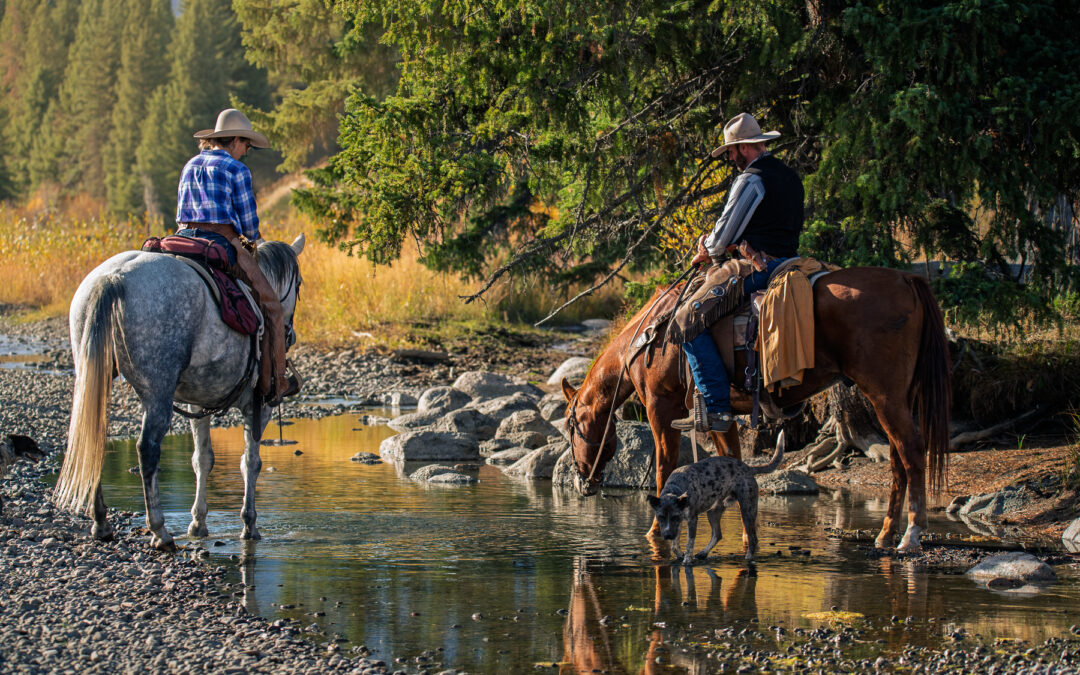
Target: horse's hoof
(164, 546)
(251, 533)
(196, 530)
(883, 541)
(104, 532)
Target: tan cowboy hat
(743, 128)
(231, 123)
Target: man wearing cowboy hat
(762, 220)
(215, 201)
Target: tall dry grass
(47, 249)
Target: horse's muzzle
(584, 487)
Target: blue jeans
(212, 236)
(706, 366)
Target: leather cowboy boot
(701, 420)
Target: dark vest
(775, 226)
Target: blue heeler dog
(703, 487)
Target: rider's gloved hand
(702, 253)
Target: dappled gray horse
(150, 318)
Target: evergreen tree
(314, 61)
(87, 95)
(143, 67)
(35, 38)
(207, 72)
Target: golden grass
(47, 251)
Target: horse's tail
(94, 368)
(932, 387)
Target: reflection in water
(474, 577)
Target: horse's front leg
(202, 461)
(154, 425)
(250, 465)
(667, 441)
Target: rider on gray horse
(215, 201)
(762, 219)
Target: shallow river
(504, 575)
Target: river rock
(430, 446)
(573, 369)
(442, 399)
(1071, 536)
(957, 503)
(553, 407)
(465, 421)
(524, 421)
(527, 439)
(453, 479)
(991, 505)
(366, 458)
(426, 473)
(1016, 566)
(504, 406)
(398, 399)
(539, 463)
(787, 483)
(414, 421)
(490, 447)
(509, 456)
(484, 385)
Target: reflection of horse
(150, 318)
(880, 328)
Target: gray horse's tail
(94, 367)
(777, 457)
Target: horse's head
(585, 427)
(278, 261)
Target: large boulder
(553, 407)
(507, 457)
(992, 505)
(539, 463)
(500, 408)
(787, 483)
(483, 385)
(425, 473)
(573, 369)
(398, 399)
(463, 422)
(524, 421)
(430, 446)
(527, 439)
(414, 421)
(631, 463)
(1015, 566)
(442, 399)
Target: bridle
(571, 422)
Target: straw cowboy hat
(232, 123)
(743, 128)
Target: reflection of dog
(16, 447)
(703, 487)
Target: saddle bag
(236, 311)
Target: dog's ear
(653, 500)
(683, 500)
(568, 391)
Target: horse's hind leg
(896, 500)
(250, 465)
(906, 449)
(155, 424)
(102, 530)
(202, 461)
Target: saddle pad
(196, 248)
(237, 310)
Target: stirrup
(295, 384)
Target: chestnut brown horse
(881, 328)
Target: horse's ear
(568, 391)
(298, 244)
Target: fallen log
(973, 436)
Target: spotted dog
(703, 487)
(13, 448)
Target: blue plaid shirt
(215, 188)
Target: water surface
(503, 575)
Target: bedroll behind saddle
(236, 309)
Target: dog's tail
(777, 457)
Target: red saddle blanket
(236, 311)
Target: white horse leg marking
(155, 519)
(250, 465)
(202, 461)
